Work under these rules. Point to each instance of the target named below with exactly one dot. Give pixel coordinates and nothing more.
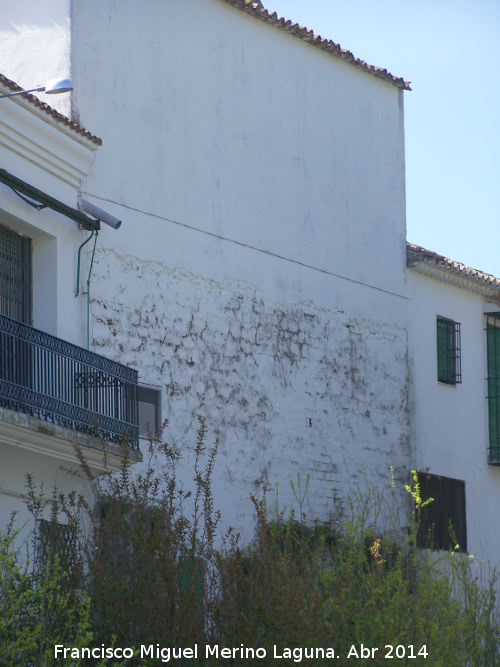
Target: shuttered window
(15, 276)
(149, 411)
(442, 523)
(449, 368)
(493, 384)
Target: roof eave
(484, 286)
(255, 9)
(29, 101)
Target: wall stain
(284, 386)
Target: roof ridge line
(256, 9)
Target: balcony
(67, 386)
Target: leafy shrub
(147, 564)
(37, 610)
(142, 569)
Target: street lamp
(52, 87)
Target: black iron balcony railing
(65, 384)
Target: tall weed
(147, 566)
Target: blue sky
(450, 51)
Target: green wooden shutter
(493, 383)
(448, 351)
(443, 350)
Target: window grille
(15, 276)
(493, 384)
(55, 539)
(442, 522)
(448, 351)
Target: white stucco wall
(450, 423)
(218, 122)
(48, 477)
(288, 388)
(259, 275)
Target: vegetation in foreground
(136, 568)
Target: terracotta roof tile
(416, 254)
(13, 87)
(256, 9)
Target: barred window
(55, 540)
(442, 523)
(15, 275)
(493, 385)
(449, 367)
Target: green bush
(304, 587)
(143, 569)
(147, 563)
(37, 610)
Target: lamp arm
(21, 92)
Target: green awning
(41, 200)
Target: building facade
(455, 364)
(259, 276)
(52, 387)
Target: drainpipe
(93, 234)
(77, 292)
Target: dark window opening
(442, 524)
(15, 276)
(149, 411)
(16, 363)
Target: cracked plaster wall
(288, 388)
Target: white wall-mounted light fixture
(52, 87)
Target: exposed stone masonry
(288, 388)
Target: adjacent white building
(454, 343)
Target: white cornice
(36, 137)
(35, 435)
(447, 276)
